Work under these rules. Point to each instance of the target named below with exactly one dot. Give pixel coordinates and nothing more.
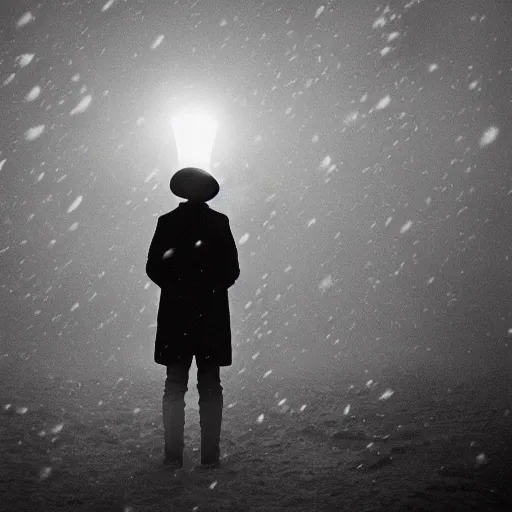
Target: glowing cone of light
(194, 133)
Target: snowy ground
(395, 443)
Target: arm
(154, 267)
(175, 269)
(230, 267)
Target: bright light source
(194, 133)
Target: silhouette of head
(194, 184)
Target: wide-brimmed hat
(194, 184)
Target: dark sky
(364, 153)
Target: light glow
(194, 133)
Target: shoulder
(210, 212)
(218, 215)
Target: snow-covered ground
(324, 442)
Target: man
(194, 260)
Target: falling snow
(326, 162)
(9, 79)
(33, 94)
(379, 22)
(75, 204)
(363, 158)
(387, 394)
(34, 132)
(326, 283)
(157, 42)
(489, 136)
(383, 103)
(25, 19)
(351, 117)
(82, 106)
(406, 227)
(107, 6)
(319, 11)
(25, 59)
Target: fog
(363, 154)
(364, 158)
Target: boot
(210, 418)
(174, 426)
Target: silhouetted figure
(194, 260)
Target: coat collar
(188, 204)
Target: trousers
(210, 408)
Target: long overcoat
(194, 260)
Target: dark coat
(193, 314)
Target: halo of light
(194, 134)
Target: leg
(210, 410)
(173, 405)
